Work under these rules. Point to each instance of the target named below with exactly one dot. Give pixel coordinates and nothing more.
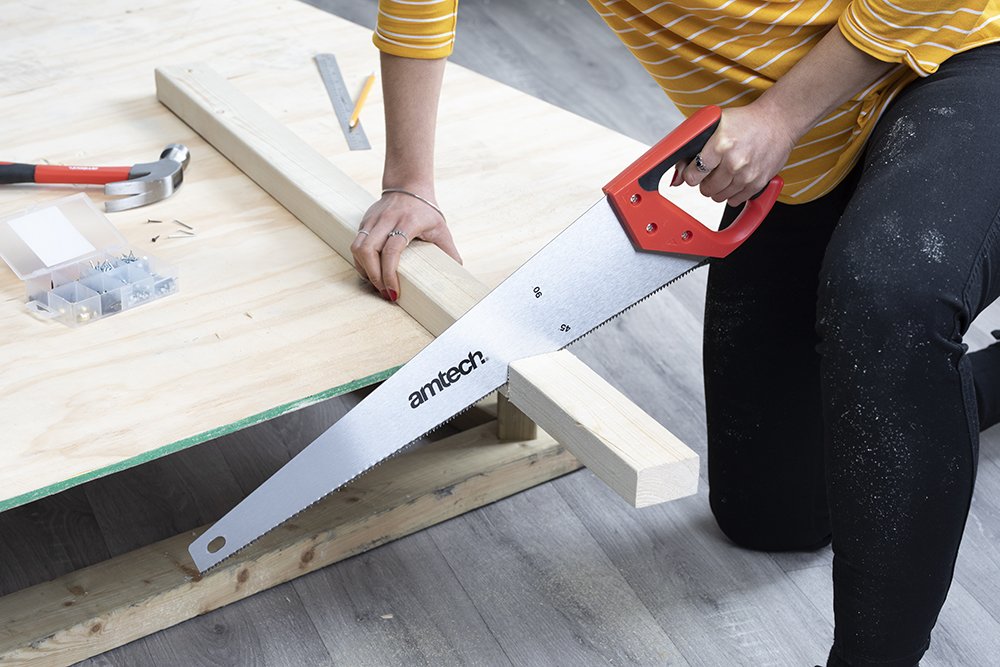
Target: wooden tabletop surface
(268, 318)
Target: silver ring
(396, 232)
(362, 231)
(699, 165)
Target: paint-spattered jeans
(840, 397)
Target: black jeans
(840, 398)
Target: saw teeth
(625, 310)
(371, 467)
(462, 411)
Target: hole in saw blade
(216, 544)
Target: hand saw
(625, 247)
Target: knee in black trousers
(762, 392)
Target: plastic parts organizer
(76, 266)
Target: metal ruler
(342, 104)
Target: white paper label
(51, 236)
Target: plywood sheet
(268, 318)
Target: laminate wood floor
(563, 574)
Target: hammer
(146, 183)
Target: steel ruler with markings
(342, 104)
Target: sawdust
(943, 111)
(932, 245)
(900, 135)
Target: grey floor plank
(48, 538)
(722, 605)
(978, 568)
(546, 589)
(130, 655)
(398, 605)
(162, 498)
(966, 633)
(270, 629)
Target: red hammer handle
(11, 172)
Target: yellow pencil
(361, 100)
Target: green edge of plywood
(354, 385)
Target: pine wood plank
(512, 424)
(435, 290)
(106, 605)
(636, 456)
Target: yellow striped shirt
(727, 52)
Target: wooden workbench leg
(512, 424)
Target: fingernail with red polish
(385, 295)
(392, 295)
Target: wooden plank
(512, 424)
(629, 450)
(435, 289)
(106, 605)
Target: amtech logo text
(446, 378)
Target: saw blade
(585, 276)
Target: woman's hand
(753, 142)
(377, 249)
(748, 148)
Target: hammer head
(150, 182)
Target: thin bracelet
(416, 196)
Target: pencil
(361, 100)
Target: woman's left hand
(750, 146)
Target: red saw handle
(12, 172)
(657, 225)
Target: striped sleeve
(416, 28)
(918, 33)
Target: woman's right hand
(377, 249)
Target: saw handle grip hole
(653, 222)
(216, 544)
